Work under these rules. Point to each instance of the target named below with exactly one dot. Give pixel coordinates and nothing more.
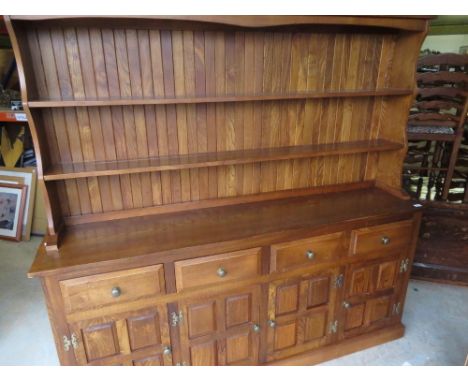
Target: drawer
(217, 269)
(307, 252)
(111, 288)
(381, 238)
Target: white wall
(445, 44)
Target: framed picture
(28, 176)
(12, 203)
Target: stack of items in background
(436, 167)
(21, 208)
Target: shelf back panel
(93, 63)
(68, 60)
(76, 135)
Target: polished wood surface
(311, 251)
(261, 222)
(217, 269)
(218, 187)
(181, 113)
(95, 291)
(384, 238)
(214, 99)
(216, 159)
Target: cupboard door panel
(135, 338)
(378, 309)
(238, 348)
(285, 335)
(315, 326)
(360, 281)
(386, 275)
(318, 291)
(205, 354)
(238, 310)
(219, 329)
(287, 299)
(149, 361)
(201, 319)
(100, 341)
(144, 331)
(354, 317)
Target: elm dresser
(221, 190)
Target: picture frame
(12, 205)
(29, 178)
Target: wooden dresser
(221, 190)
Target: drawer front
(382, 238)
(217, 269)
(111, 288)
(307, 252)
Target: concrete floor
(436, 319)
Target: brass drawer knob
(385, 240)
(346, 305)
(116, 292)
(272, 323)
(167, 350)
(310, 254)
(256, 328)
(221, 272)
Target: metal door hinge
(404, 265)
(72, 342)
(339, 281)
(396, 309)
(333, 327)
(176, 318)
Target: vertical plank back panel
(76, 61)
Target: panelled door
(301, 313)
(136, 338)
(372, 297)
(222, 329)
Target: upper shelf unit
(200, 160)
(217, 99)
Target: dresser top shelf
(219, 98)
(224, 158)
(179, 234)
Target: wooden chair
(438, 117)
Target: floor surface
(436, 319)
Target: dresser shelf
(219, 98)
(203, 160)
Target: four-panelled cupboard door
(372, 297)
(301, 313)
(135, 338)
(223, 329)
